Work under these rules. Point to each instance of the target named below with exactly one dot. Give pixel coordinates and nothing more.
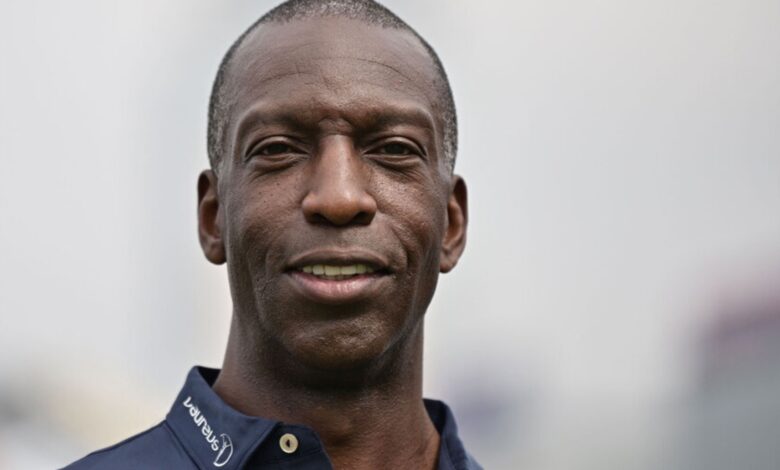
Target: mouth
(332, 272)
(338, 277)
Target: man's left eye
(396, 148)
(275, 148)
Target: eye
(396, 148)
(274, 148)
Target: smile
(336, 277)
(336, 273)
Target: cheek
(417, 209)
(417, 215)
(258, 215)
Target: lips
(338, 277)
(335, 272)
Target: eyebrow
(377, 118)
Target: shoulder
(156, 447)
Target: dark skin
(333, 155)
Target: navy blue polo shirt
(203, 432)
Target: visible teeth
(348, 270)
(332, 270)
(329, 271)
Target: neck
(372, 417)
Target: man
(332, 199)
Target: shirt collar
(452, 454)
(215, 435)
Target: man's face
(333, 205)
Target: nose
(338, 186)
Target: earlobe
(209, 220)
(454, 241)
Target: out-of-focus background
(618, 305)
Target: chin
(340, 355)
(334, 351)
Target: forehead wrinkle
(396, 70)
(329, 71)
(283, 75)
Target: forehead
(331, 65)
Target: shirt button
(289, 443)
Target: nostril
(363, 218)
(318, 219)
(338, 208)
(355, 218)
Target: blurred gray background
(618, 305)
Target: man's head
(367, 11)
(332, 198)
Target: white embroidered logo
(223, 445)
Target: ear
(209, 220)
(457, 219)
